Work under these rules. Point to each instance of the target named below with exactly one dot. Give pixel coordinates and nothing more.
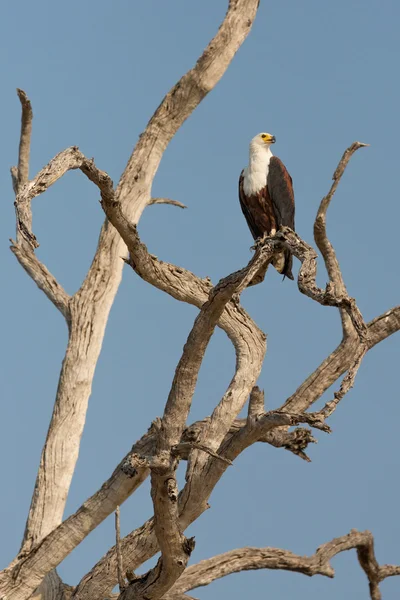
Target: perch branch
(244, 559)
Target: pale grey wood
(90, 306)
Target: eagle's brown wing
(280, 187)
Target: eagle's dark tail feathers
(287, 269)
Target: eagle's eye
(263, 136)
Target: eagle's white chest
(255, 175)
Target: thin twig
(14, 179)
(184, 447)
(120, 569)
(167, 201)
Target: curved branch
(245, 559)
(43, 278)
(320, 234)
(167, 201)
(321, 237)
(65, 161)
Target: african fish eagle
(266, 196)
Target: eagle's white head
(255, 175)
(262, 140)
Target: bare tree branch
(182, 450)
(167, 201)
(175, 547)
(245, 559)
(42, 277)
(25, 138)
(340, 361)
(121, 581)
(347, 383)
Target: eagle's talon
(259, 242)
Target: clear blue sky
(318, 75)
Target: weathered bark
(209, 446)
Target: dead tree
(209, 446)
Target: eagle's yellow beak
(271, 139)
